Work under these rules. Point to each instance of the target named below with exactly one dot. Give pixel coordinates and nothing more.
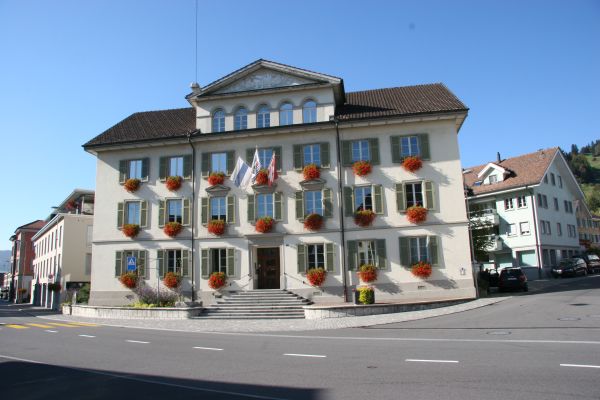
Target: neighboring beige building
(303, 117)
(63, 250)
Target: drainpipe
(341, 207)
(193, 211)
(538, 249)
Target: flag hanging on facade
(241, 174)
(272, 170)
(255, 166)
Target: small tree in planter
(172, 280)
(217, 280)
(364, 217)
(130, 230)
(132, 184)
(173, 183)
(264, 224)
(412, 164)
(316, 276)
(366, 295)
(129, 280)
(311, 171)
(421, 270)
(361, 168)
(367, 273)
(262, 178)
(172, 229)
(216, 227)
(416, 214)
(216, 178)
(313, 222)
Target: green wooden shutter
(230, 262)
(327, 203)
(378, 197)
(251, 208)
(298, 157)
(401, 148)
(185, 263)
(352, 254)
(374, 149)
(230, 208)
(329, 257)
(348, 201)
(205, 164)
(204, 263)
(143, 214)
(250, 156)
(278, 205)
(185, 213)
(424, 146)
(300, 205)
(278, 159)
(325, 156)
(346, 153)
(429, 195)
(163, 168)
(120, 214)
(118, 263)
(145, 169)
(204, 210)
(230, 161)
(396, 155)
(162, 204)
(187, 166)
(301, 258)
(404, 251)
(381, 253)
(123, 171)
(433, 250)
(400, 198)
(160, 260)
(141, 261)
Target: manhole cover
(569, 319)
(580, 304)
(499, 333)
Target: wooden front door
(267, 267)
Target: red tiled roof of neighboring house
(527, 169)
(38, 224)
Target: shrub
(361, 168)
(216, 227)
(364, 217)
(316, 276)
(83, 295)
(416, 214)
(173, 183)
(421, 270)
(262, 178)
(313, 222)
(172, 280)
(172, 229)
(132, 184)
(130, 230)
(158, 298)
(311, 171)
(366, 295)
(216, 178)
(129, 280)
(217, 280)
(412, 164)
(264, 224)
(54, 287)
(367, 273)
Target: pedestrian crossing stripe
(47, 325)
(16, 326)
(40, 326)
(83, 323)
(65, 325)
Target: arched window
(309, 112)
(240, 119)
(263, 117)
(218, 122)
(286, 114)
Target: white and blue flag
(241, 174)
(255, 166)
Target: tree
(593, 199)
(581, 168)
(482, 234)
(574, 149)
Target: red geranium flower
(129, 280)
(262, 178)
(313, 222)
(412, 164)
(367, 273)
(311, 171)
(421, 270)
(216, 227)
(172, 280)
(131, 185)
(217, 280)
(316, 276)
(216, 178)
(416, 214)
(361, 168)
(130, 230)
(173, 183)
(172, 229)
(264, 224)
(364, 217)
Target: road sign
(131, 266)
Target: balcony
(488, 215)
(496, 244)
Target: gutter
(535, 229)
(193, 211)
(341, 207)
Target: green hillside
(591, 188)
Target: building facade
(303, 118)
(22, 254)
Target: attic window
(493, 179)
(477, 183)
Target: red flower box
(216, 178)
(364, 217)
(361, 168)
(313, 222)
(367, 273)
(311, 171)
(131, 185)
(264, 225)
(172, 229)
(421, 270)
(416, 214)
(130, 230)
(412, 164)
(173, 183)
(316, 276)
(262, 178)
(217, 280)
(129, 280)
(172, 280)
(216, 227)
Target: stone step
(254, 307)
(251, 296)
(257, 304)
(257, 315)
(221, 316)
(244, 301)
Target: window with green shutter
(352, 246)
(419, 248)
(409, 146)
(134, 169)
(175, 166)
(264, 155)
(410, 194)
(311, 153)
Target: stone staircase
(257, 304)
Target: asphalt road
(543, 345)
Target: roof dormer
(492, 173)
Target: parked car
(592, 262)
(512, 279)
(570, 267)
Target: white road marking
(50, 331)
(580, 366)
(208, 348)
(137, 341)
(432, 361)
(304, 355)
(90, 336)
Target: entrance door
(267, 267)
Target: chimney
(498, 159)
(195, 87)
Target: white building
(303, 117)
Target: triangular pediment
(264, 78)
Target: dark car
(592, 262)
(570, 267)
(512, 279)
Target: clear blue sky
(528, 70)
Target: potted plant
(217, 280)
(172, 280)
(367, 273)
(412, 164)
(311, 171)
(262, 178)
(416, 214)
(129, 280)
(421, 270)
(264, 224)
(54, 287)
(364, 295)
(132, 184)
(313, 222)
(130, 230)
(216, 178)
(71, 205)
(173, 183)
(316, 276)
(216, 227)
(361, 168)
(364, 217)
(172, 229)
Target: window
(316, 256)
(512, 230)
(218, 259)
(264, 205)
(524, 227)
(121, 262)
(363, 198)
(414, 194)
(134, 169)
(312, 154)
(418, 249)
(133, 212)
(559, 181)
(552, 179)
(240, 119)
(572, 230)
(508, 204)
(218, 208)
(545, 227)
(264, 156)
(522, 201)
(313, 202)
(309, 112)
(556, 204)
(286, 114)
(568, 207)
(174, 211)
(545, 178)
(558, 229)
(263, 117)
(360, 150)
(542, 200)
(409, 146)
(175, 166)
(493, 179)
(60, 235)
(367, 252)
(218, 121)
(218, 162)
(174, 261)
